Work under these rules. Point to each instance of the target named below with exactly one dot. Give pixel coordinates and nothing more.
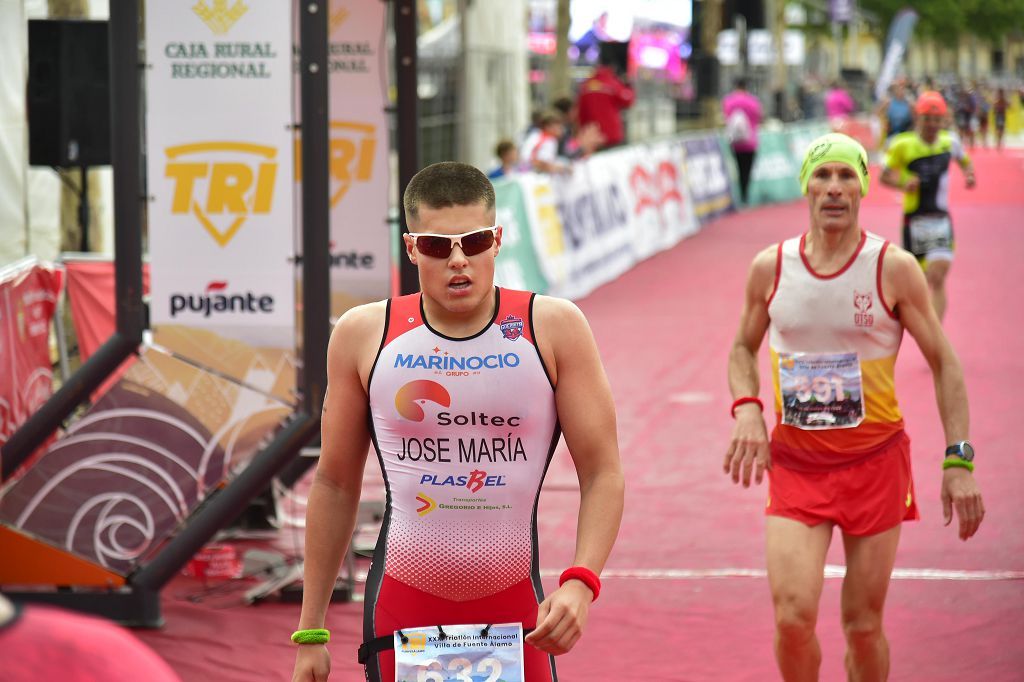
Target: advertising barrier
(29, 291)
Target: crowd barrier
(566, 235)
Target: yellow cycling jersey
(910, 155)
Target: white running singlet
(464, 430)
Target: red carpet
(664, 330)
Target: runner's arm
(749, 444)
(345, 441)
(905, 288)
(586, 414)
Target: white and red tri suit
(464, 429)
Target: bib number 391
(821, 390)
(465, 653)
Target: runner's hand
(912, 185)
(971, 180)
(561, 618)
(312, 663)
(960, 491)
(749, 446)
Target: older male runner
(463, 390)
(835, 302)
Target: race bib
(466, 653)
(930, 233)
(821, 390)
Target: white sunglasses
(441, 245)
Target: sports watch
(964, 450)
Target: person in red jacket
(602, 98)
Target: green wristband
(317, 636)
(954, 461)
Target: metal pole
(316, 306)
(408, 126)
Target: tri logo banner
(220, 168)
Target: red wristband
(744, 401)
(585, 576)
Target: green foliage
(948, 19)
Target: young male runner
(917, 163)
(463, 390)
(835, 302)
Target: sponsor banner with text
(707, 177)
(516, 266)
(221, 184)
(358, 157)
(775, 175)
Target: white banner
(615, 209)
(358, 165)
(220, 168)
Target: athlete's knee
(862, 627)
(935, 272)
(795, 619)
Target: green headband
(835, 147)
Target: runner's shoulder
(553, 314)
(765, 262)
(361, 323)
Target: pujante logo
(413, 394)
(427, 504)
(220, 17)
(863, 303)
(511, 327)
(352, 149)
(216, 299)
(237, 179)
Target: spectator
(743, 115)
(839, 105)
(999, 115)
(46, 643)
(508, 156)
(540, 149)
(601, 100)
(897, 110)
(566, 108)
(982, 106)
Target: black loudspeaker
(705, 68)
(68, 93)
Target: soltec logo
(352, 148)
(214, 300)
(410, 396)
(220, 17)
(237, 179)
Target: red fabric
(602, 99)
(49, 644)
(400, 606)
(92, 297)
(28, 301)
(864, 499)
(585, 576)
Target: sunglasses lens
(435, 247)
(477, 242)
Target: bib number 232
(466, 653)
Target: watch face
(967, 451)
